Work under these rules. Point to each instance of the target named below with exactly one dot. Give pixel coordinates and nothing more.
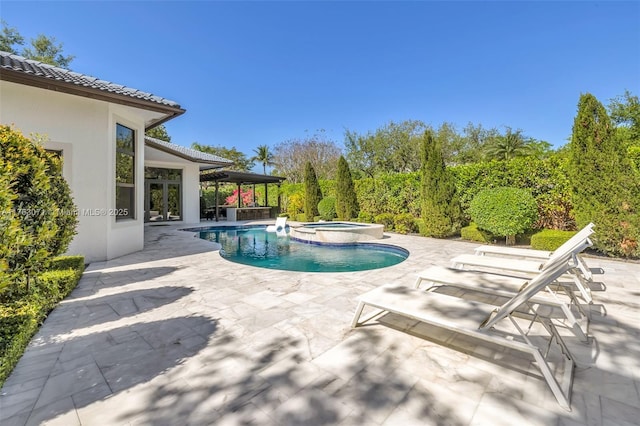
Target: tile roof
(187, 153)
(30, 67)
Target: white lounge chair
(280, 227)
(479, 320)
(571, 248)
(544, 303)
(542, 254)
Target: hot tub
(336, 232)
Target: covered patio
(240, 211)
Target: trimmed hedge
(20, 318)
(386, 219)
(472, 233)
(327, 208)
(405, 224)
(549, 239)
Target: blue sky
(253, 73)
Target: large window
(125, 172)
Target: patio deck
(177, 335)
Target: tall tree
(508, 146)
(625, 112)
(159, 132)
(441, 210)
(390, 149)
(240, 160)
(9, 38)
(312, 193)
(263, 156)
(605, 189)
(346, 199)
(290, 157)
(45, 49)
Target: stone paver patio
(177, 335)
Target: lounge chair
(479, 320)
(280, 227)
(542, 254)
(545, 303)
(573, 248)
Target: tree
(390, 149)
(605, 189)
(312, 193)
(441, 210)
(240, 160)
(43, 48)
(508, 146)
(504, 211)
(290, 157)
(159, 132)
(9, 37)
(263, 156)
(346, 200)
(625, 112)
(41, 215)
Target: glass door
(157, 206)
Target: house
(119, 178)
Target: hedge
(472, 233)
(21, 317)
(549, 239)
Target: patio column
(239, 197)
(266, 199)
(217, 201)
(279, 201)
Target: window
(125, 172)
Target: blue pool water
(256, 247)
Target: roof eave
(217, 164)
(21, 77)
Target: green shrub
(39, 203)
(18, 323)
(312, 192)
(327, 208)
(283, 215)
(472, 233)
(67, 262)
(301, 217)
(21, 317)
(549, 239)
(440, 206)
(346, 199)
(405, 224)
(605, 187)
(365, 217)
(504, 212)
(67, 217)
(386, 219)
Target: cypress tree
(312, 192)
(346, 200)
(441, 210)
(605, 190)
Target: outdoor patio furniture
(542, 254)
(484, 321)
(546, 303)
(280, 227)
(573, 248)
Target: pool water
(256, 247)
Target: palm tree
(509, 146)
(263, 156)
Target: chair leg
(356, 317)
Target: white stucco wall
(84, 129)
(190, 180)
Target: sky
(264, 72)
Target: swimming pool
(252, 245)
